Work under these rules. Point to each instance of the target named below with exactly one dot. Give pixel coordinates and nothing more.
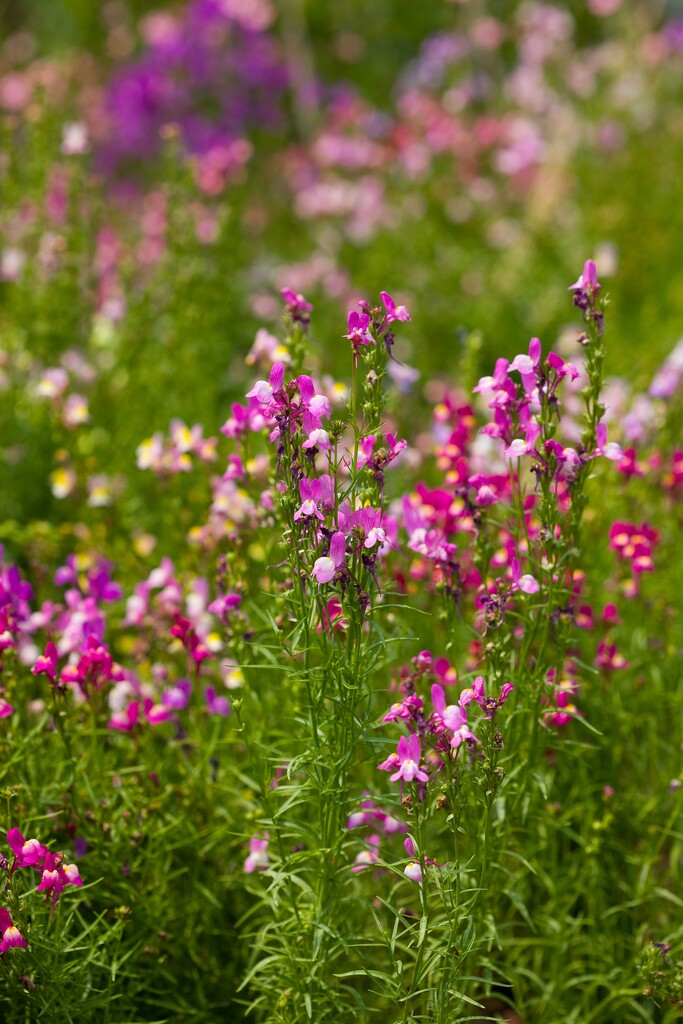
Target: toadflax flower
(11, 936)
(326, 567)
(257, 859)
(56, 876)
(406, 760)
(27, 852)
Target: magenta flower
(366, 858)
(413, 871)
(561, 368)
(608, 449)
(521, 447)
(307, 509)
(297, 306)
(257, 859)
(326, 568)
(359, 333)
(27, 852)
(264, 391)
(11, 936)
(56, 876)
(46, 664)
(126, 719)
(408, 761)
(405, 709)
(394, 312)
(475, 692)
(216, 704)
(526, 583)
(588, 280)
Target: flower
(408, 761)
(257, 859)
(326, 568)
(394, 312)
(47, 663)
(27, 852)
(56, 876)
(11, 936)
(359, 333)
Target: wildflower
(562, 368)
(216, 705)
(450, 718)
(526, 583)
(257, 859)
(406, 709)
(565, 709)
(264, 391)
(521, 447)
(588, 280)
(296, 305)
(366, 858)
(11, 936)
(358, 325)
(27, 852)
(406, 760)
(56, 876)
(413, 871)
(393, 312)
(46, 664)
(326, 567)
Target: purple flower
(406, 760)
(258, 854)
(394, 312)
(11, 936)
(326, 568)
(216, 705)
(46, 664)
(27, 852)
(359, 329)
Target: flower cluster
(55, 875)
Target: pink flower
(257, 859)
(527, 584)
(216, 705)
(47, 663)
(405, 709)
(561, 368)
(263, 391)
(297, 306)
(27, 853)
(413, 871)
(358, 329)
(56, 876)
(394, 312)
(307, 509)
(11, 936)
(408, 761)
(524, 447)
(326, 568)
(588, 281)
(366, 858)
(475, 692)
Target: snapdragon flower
(326, 567)
(11, 936)
(393, 312)
(27, 852)
(359, 329)
(257, 859)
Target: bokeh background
(166, 169)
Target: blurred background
(167, 168)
